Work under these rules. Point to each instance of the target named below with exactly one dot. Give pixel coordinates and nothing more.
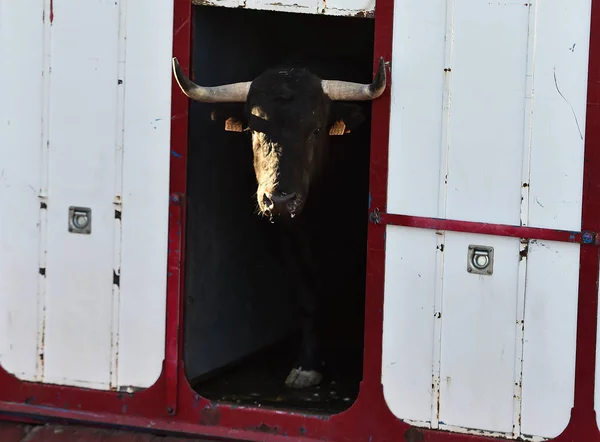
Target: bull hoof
(299, 378)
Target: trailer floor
(259, 381)
(16, 432)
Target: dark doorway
(240, 335)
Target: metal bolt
(80, 220)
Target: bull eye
(317, 131)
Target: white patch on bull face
(258, 111)
(267, 155)
(265, 152)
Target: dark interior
(240, 333)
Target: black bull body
(290, 114)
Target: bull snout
(281, 203)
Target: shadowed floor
(259, 381)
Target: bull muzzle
(281, 204)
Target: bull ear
(345, 117)
(230, 116)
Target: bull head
(291, 113)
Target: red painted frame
(172, 406)
(484, 228)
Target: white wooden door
(488, 125)
(85, 99)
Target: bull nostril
(280, 203)
(268, 200)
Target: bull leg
(307, 372)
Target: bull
(290, 114)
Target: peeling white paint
(354, 8)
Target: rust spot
(365, 14)
(210, 415)
(414, 435)
(203, 3)
(264, 428)
(117, 203)
(523, 253)
(51, 11)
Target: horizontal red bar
(486, 228)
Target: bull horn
(347, 91)
(228, 93)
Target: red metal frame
(172, 406)
(484, 228)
